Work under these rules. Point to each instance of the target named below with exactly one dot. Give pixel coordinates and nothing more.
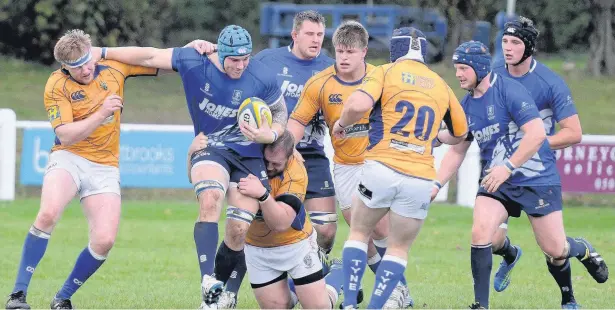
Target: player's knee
(480, 235)
(211, 197)
(326, 238)
(498, 239)
(209, 191)
(328, 231)
(237, 225)
(380, 232)
(209, 201)
(236, 234)
(46, 220)
(555, 251)
(325, 224)
(102, 244)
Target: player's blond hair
(351, 34)
(72, 45)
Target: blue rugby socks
(33, 250)
(87, 263)
(354, 258)
(206, 240)
(482, 262)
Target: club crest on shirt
(236, 99)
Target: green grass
(153, 263)
(160, 100)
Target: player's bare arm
(570, 133)
(138, 56)
(296, 129)
(456, 123)
(445, 137)
(452, 161)
(279, 115)
(354, 108)
(203, 47)
(72, 133)
(534, 137)
(277, 215)
(450, 164)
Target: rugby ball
(252, 110)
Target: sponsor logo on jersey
(335, 99)
(77, 96)
(285, 72)
(405, 146)
(290, 89)
(357, 130)
(417, 80)
(206, 89)
(216, 111)
(53, 112)
(486, 133)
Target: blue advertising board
(148, 159)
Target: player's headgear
(408, 43)
(476, 55)
(233, 41)
(524, 29)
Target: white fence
(592, 161)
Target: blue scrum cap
(233, 41)
(408, 43)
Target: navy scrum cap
(408, 43)
(233, 41)
(476, 55)
(524, 29)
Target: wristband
(103, 54)
(509, 165)
(275, 136)
(264, 197)
(437, 184)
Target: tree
(601, 41)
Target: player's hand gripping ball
(252, 111)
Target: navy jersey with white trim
(213, 98)
(292, 73)
(495, 120)
(549, 91)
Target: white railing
(593, 159)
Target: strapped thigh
(204, 185)
(322, 218)
(234, 213)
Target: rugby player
(408, 103)
(84, 102)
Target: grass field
(153, 263)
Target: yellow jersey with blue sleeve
(292, 182)
(67, 101)
(410, 103)
(327, 92)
